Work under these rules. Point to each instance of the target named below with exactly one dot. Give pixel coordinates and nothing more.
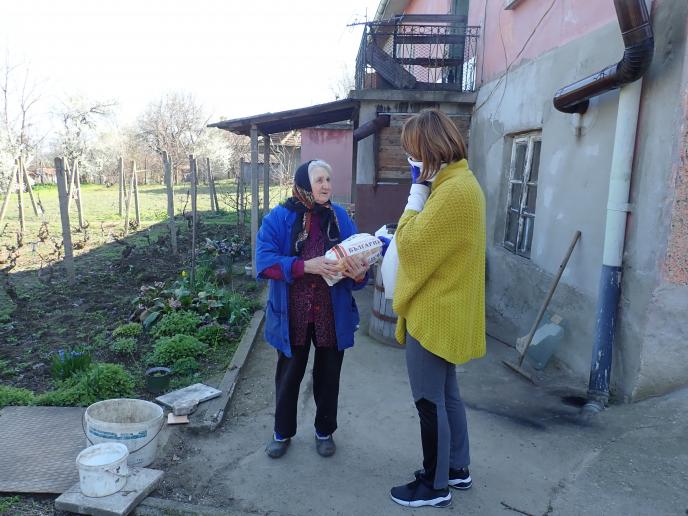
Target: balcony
(419, 52)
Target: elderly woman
(440, 299)
(302, 309)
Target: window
(522, 195)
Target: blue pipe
(603, 345)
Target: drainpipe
(634, 22)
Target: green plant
(185, 366)
(15, 396)
(8, 502)
(5, 368)
(212, 334)
(102, 381)
(167, 350)
(65, 365)
(176, 323)
(127, 330)
(124, 346)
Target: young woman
(440, 299)
(302, 309)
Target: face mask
(417, 164)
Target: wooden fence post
(121, 185)
(210, 185)
(135, 181)
(36, 210)
(129, 195)
(194, 211)
(64, 217)
(20, 196)
(79, 205)
(167, 168)
(240, 193)
(8, 194)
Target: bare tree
(19, 94)
(174, 123)
(344, 83)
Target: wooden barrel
(383, 320)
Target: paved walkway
(530, 455)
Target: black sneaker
(418, 494)
(277, 447)
(458, 478)
(326, 446)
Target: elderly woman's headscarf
(303, 203)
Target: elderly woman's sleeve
(270, 263)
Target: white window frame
(524, 230)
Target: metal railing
(400, 54)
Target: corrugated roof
(268, 123)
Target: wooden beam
(79, 204)
(36, 210)
(167, 168)
(20, 196)
(254, 196)
(135, 180)
(121, 185)
(194, 211)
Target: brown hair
(431, 137)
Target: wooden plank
(194, 215)
(27, 180)
(388, 68)
(79, 204)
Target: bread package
(360, 244)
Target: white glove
(417, 197)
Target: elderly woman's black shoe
(277, 447)
(326, 446)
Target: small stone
(176, 458)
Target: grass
(100, 205)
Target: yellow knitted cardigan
(440, 290)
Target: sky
(237, 57)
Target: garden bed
(132, 307)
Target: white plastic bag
(390, 265)
(362, 244)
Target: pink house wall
(336, 147)
(568, 20)
(428, 7)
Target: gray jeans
(444, 433)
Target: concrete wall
(336, 147)
(572, 194)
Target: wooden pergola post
(254, 196)
(64, 217)
(266, 174)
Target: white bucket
(134, 423)
(103, 469)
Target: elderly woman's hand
(321, 265)
(356, 267)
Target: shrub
(127, 330)
(185, 366)
(124, 346)
(182, 322)
(213, 335)
(168, 350)
(65, 365)
(101, 382)
(15, 396)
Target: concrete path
(530, 455)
